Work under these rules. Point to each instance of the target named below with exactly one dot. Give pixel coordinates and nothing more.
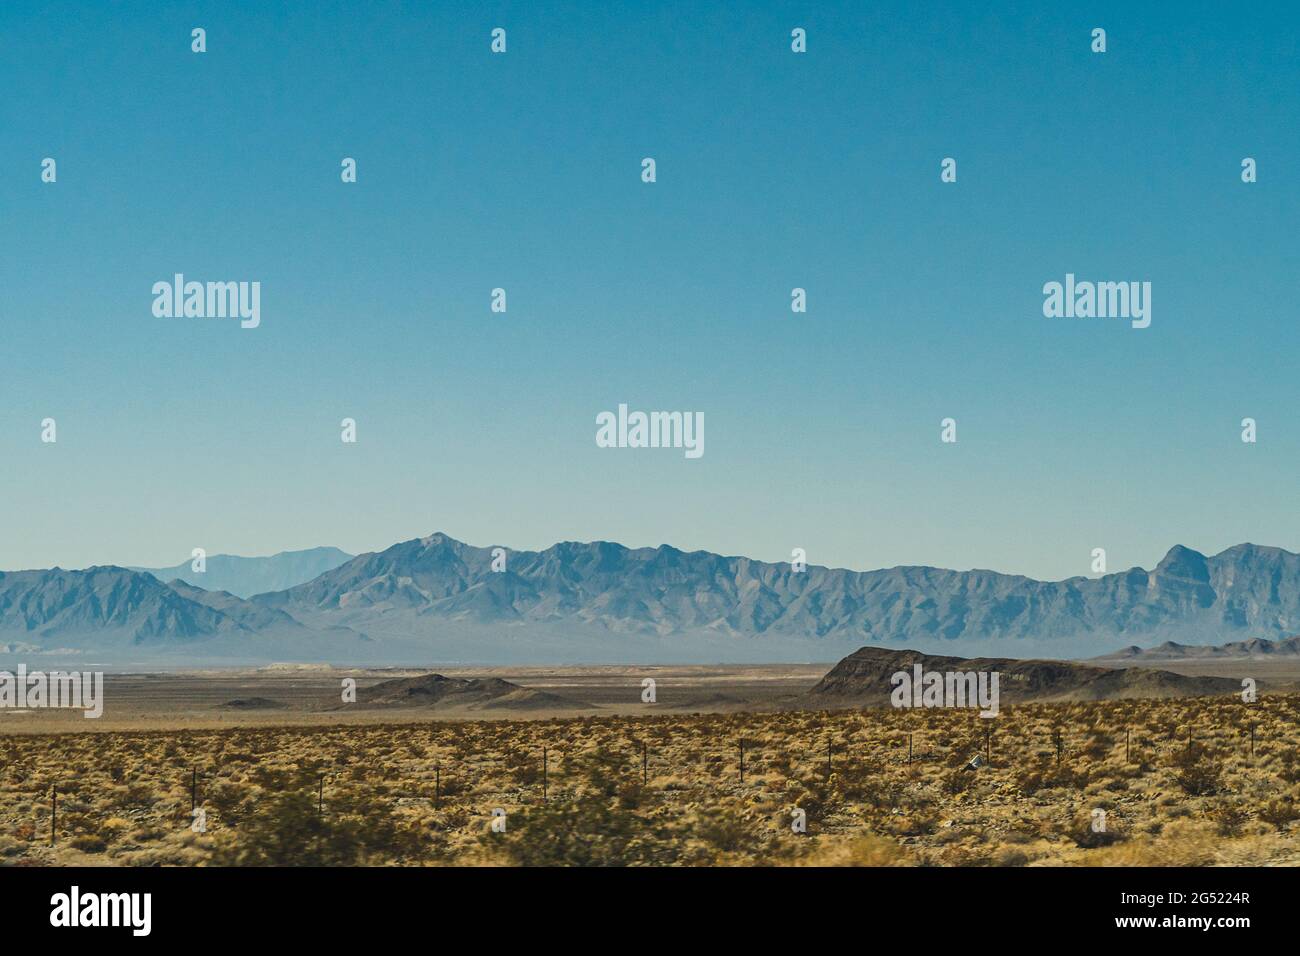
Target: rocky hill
(863, 679)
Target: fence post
(544, 773)
(54, 809)
(645, 764)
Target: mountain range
(1253, 649)
(439, 599)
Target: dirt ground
(306, 696)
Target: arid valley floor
(281, 775)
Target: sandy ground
(1280, 671)
(309, 695)
(306, 696)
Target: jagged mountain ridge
(586, 601)
(108, 600)
(107, 606)
(1245, 591)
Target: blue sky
(775, 170)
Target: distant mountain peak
(246, 576)
(1181, 558)
(1236, 650)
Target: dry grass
(1191, 793)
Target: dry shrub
(867, 850)
(1182, 843)
(1229, 818)
(1197, 771)
(590, 831)
(1279, 812)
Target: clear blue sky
(775, 170)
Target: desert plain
(572, 766)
